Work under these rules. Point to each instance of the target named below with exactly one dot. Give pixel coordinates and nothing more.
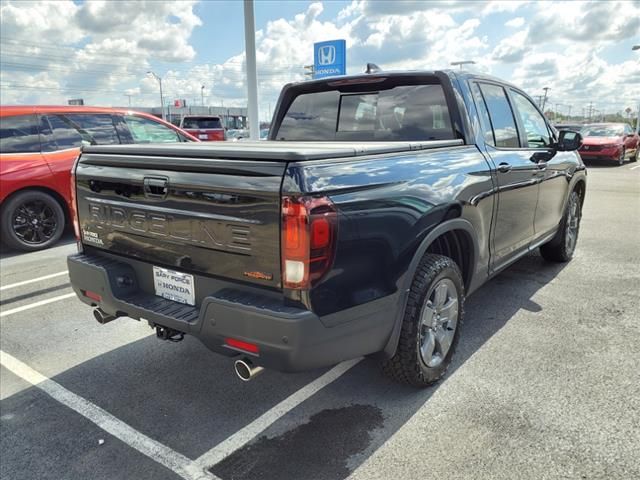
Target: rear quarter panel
(387, 205)
(26, 170)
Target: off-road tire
(559, 248)
(54, 213)
(407, 365)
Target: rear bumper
(288, 338)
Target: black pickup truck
(379, 202)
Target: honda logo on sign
(327, 55)
(329, 58)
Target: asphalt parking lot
(545, 383)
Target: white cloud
(589, 22)
(92, 46)
(516, 22)
(511, 49)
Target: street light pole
(161, 97)
(544, 100)
(252, 75)
(202, 94)
(463, 62)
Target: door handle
(542, 165)
(504, 167)
(156, 187)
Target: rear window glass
(19, 134)
(60, 134)
(404, 112)
(96, 128)
(502, 120)
(202, 122)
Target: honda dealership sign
(329, 58)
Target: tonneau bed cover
(268, 150)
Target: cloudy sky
(101, 51)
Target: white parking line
(6, 313)
(33, 280)
(248, 433)
(633, 168)
(158, 452)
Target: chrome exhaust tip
(102, 317)
(245, 370)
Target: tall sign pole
(252, 75)
(544, 100)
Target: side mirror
(569, 141)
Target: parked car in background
(613, 142)
(237, 134)
(38, 146)
(207, 128)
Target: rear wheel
(431, 324)
(635, 155)
(31, 220)
(563, 244)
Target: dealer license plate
(173, 285)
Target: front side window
(19, 134)
(533, 123)
(96, 128)
(502, 120)
(144, 130)
(402, 113)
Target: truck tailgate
(201, 216)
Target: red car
(38, 145)
(609, 141)
(207, 128)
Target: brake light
(74, 204)
(309, 231)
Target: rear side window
(404, 112)
(485, 122)
(19, 134)
(201, 123)
(502, 120)
(60, 133)
(534, 125)
(98, 128)
(144, 130)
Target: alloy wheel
(438, 323)
(34, 222)
(573, 225)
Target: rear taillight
(309, 231)
(74, 204)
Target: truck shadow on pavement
(189, 399)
